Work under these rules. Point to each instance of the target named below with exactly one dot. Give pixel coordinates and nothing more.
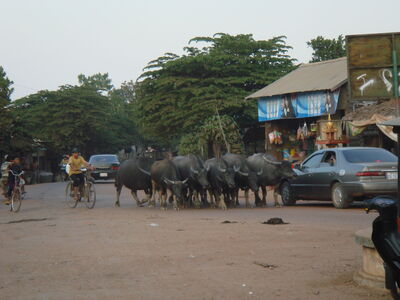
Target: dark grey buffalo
(135, 175)
(165, 177)
(221, 178)
(273, 172)
(192, 167)
(245, 177)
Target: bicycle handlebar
(15, 174)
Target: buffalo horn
(144, 171)
(222, 170)
(194, 171)
(237, 170)
(185, 180)
(166, 180)
(276, 163)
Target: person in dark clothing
(15, 168)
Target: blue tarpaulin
(297, 105)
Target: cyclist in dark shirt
(15, 168)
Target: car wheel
(340, 198)
(287, 194)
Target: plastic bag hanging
(305, 130)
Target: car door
(324, 175)
(303, 185)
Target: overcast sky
(47, 43)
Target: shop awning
(376, 114)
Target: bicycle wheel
(90, 195)
(69, 196)
(16, 200)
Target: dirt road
(143, 253)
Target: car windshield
(103, 159)
(369, 156)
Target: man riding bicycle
(14, 168)
(76, 163)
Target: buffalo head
(200, 176)
(177, 186)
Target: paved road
(145, 253)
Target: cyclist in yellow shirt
(76, 162)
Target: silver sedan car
(342, 175)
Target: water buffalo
(134, 174)
(273, 172)
(221, 178)
(192, 167)
(165, 177)
(245, 177)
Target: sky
(48, 43)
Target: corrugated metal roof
(325, 75)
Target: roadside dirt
(142, 253)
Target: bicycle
(18, 193)
(87, 191)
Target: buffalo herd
(187, 181)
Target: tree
(99, 82)
(216, 133)
(5, 114)
(176, 94)
(325, 49)
(77, 116)
(69, 117)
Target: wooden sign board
(370, 65)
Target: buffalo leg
(212, 199)
(276, 197)
(187, 197)
(135, 197)
(236, 197)
(148, 196)
(246, 196)
(163, 200)
(204, 200)
(119, 188)
(257, 199)
(264, 196)
(197, 201)
(176, 202)
(221, 202)
(232, 199)
(152, 202)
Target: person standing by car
(76, 162)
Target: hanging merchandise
(305, 130)
(278, 138)
(271, 137)
(275, 137)
(300, 134)
(313, 127)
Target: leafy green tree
(69, 117)
(216, 134)
(325, 49)
(99, 82)
(177, 93)
(5, 113)
(77, 116)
